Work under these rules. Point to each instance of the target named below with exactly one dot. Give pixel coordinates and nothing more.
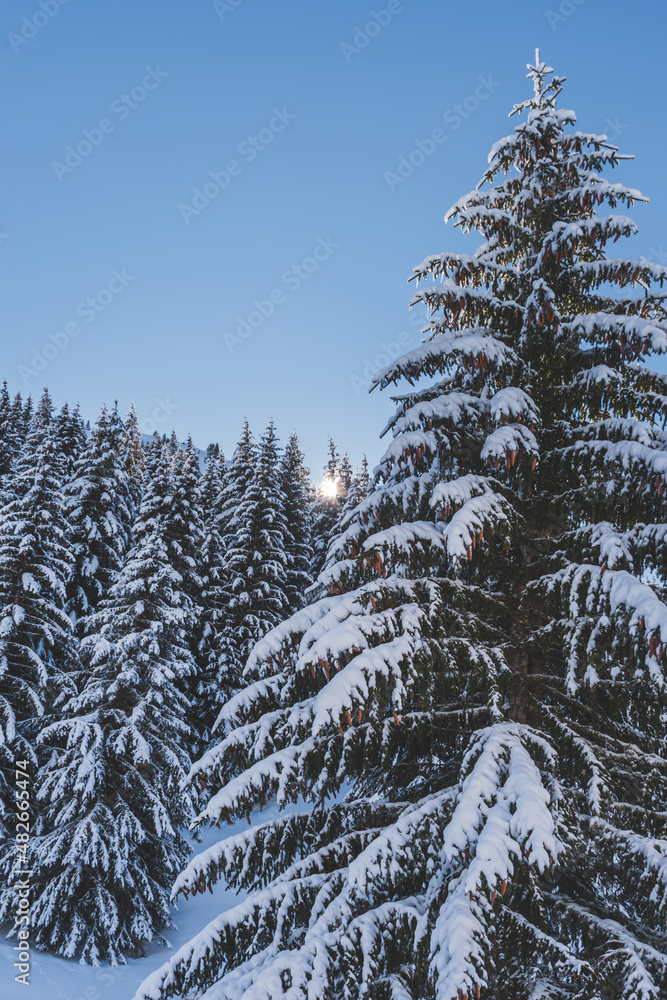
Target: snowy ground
(59, 979)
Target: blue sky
(275, 290)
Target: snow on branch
(652, 855)
(464, 267)
(512, 403)
(379, 864)
(268, 776)
(624, 951)
(477, 348)
(635, 272)
(217, 944)
(505, 443)
(458, 409)
(588, 591)
(503, 813)
(633, 333)
(352, 687)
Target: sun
(329, 487)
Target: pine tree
(107, 844)
(296, 491)
(236, 479)
(216, 680)
(356, 491)
(17, 413)
(359, 486)
(183, 528)
(99, 512)
(326, 510)
(345, 474)
(254, 560)
(37, 653)
(153, 451)
(134, 458)
(37, 420)
(69, 435)
(488, 668)
(9, 437)
(26, 412)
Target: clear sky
(275, 290)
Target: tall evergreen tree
(183, 528)
(69, 435)
(37, 420)
(17, 408)
(326, 510)
(237, 477)
(359, 486)
(26, 412)
(153, 452)
(37, 651)
(499, 620)
(99, 512)
(356, 492)
(9, 435)
(296, 491)
(345, 474)
(107, 844)
(217, 679)
(134, 458)
(255, 560)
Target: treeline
(134, 581)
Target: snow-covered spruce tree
(236, 479)
(26, 413)
(37, 650)
(13, 430)
(107, 845)
(297, 501)
(488, 666)
(69, 435)
(134, 458)
(216, 681)
(255, 560)
(99, 512)
(154, 449)
(152, 452)
(9, 435)
(345, 474)
(183, 528)
(355, 493)
(326, 510)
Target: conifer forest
(410, 714)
